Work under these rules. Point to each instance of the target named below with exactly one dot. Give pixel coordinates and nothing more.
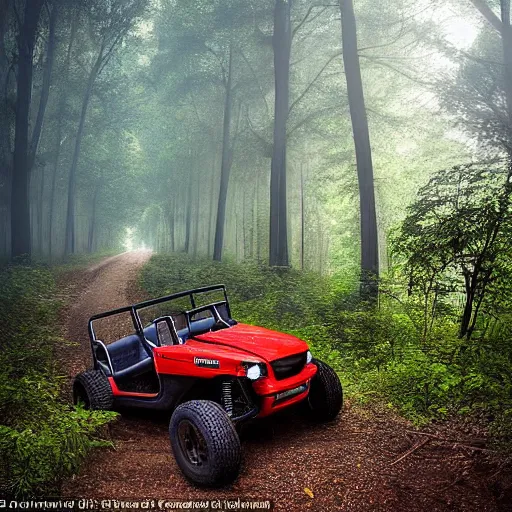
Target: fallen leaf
(309, 492)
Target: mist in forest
(291, 133)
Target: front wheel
(92, 389)
(205, 443)
(325, 398)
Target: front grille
(289, 366)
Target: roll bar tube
(133, 310)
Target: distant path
(348, 465)
(103, 286)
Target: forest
(345, 168)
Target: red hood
(258, 341)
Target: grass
(42, 437)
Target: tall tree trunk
(172, 223)
(253, 230)
(506, 41)
(369, 236)
(92, 225)
(20, 206)
(243, 226)
(321, 251)
(40, 210)
(45, 91)
(258, 241)
(196, 223)
(70, 217)
(212, 204)
(281, 42)
(302, 218)
(5, 136)
(236, 216)
(53, 188)
(38, 126)
(503, 27)
(188, 217)
(227, 159)
(60, 126)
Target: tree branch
(505, 12)
(306, 90)
(305, 19)
(399, 71)
(45, 90)
(105, 56)
(309, 117)
(401, 33)
(194, 106)
(267, 146)
(222, 67)
(246, 60)
(418, 445)
(17, 15)
(488, 14)
(237, 128)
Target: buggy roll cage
(133, 310)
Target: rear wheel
(325, 398)
(205, 443)
(92, 389)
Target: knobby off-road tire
(215, 459)
(325, 398)
(93, 390)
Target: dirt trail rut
(350, 465)
(103, 286)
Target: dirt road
(367, 460)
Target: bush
(425, 371)
(272, 297)
(38, 454)
(42, 438)
(386, 356)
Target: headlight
(309, 357)
(255, 370)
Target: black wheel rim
(192, 443)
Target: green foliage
(276, 298)
(386, 357)
(41, 437)
(456, 240)
(75, 262)
(379, 353)
(37, 454)
(304, 304)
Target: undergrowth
(380, 353)
(42, 438)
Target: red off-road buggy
(211, 371)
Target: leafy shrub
(382, 353)
(275, 298)
(37, 454)
(41, 437)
